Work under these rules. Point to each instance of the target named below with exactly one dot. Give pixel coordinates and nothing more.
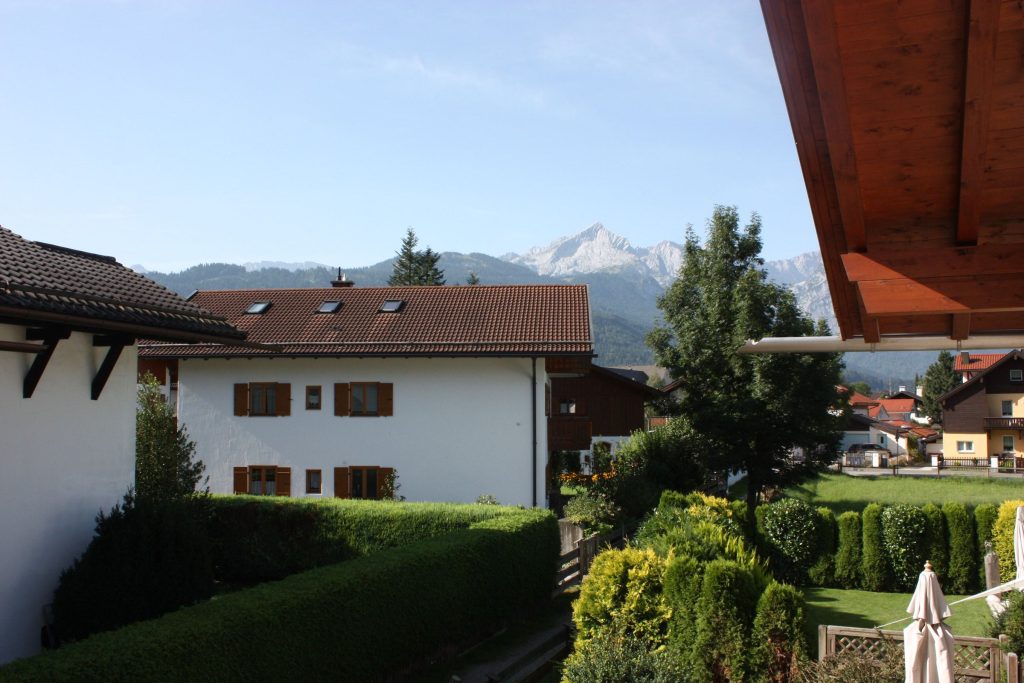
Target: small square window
(329, 307)
(567, 407)
(312, 398)
(1017, 375)
(314, 481)
(258, 308)
(1007, 444)
(964, 446)
(1007, 408)
(391, 306)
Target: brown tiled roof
(447, 320)
(46, 283)
(976, 362)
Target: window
(364, 399)
(313, 481)
(964, 446)
(263, 480)
(313, 397)
(258, 308)
(263, 399)
(391, 306)
(1017, 375)
(361, 481)
(881, 439)
(1007, 408)
(1007, 444)
(567, 407)
(329, 307)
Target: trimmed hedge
(875, 570)
(265, 538)
(791, 533)
(1002, 539)
(984, 517)
(905, 539)
(725, 614)
(937, 541)
(849, 555)
(823, 571)
(777, 642)
(963, 554)
(359, 620)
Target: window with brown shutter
(341, 399)
(241, 484)
(284, 399)
(284, 481)
(264, 480)
(341, 484)
(360, 481)
(241, 399)
(386, 395)
(364, 399)
(263, 399)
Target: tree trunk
(753, 489)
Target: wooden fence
(574, 562)
(977, 659)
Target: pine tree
(746, 411)
(414, 267)
(938, 379)
(164, 465)
(472, 279)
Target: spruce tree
(938, 379)
(412, 267)
(472, 279)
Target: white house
(444, 387)
(68, 325)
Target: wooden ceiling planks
(920, 107)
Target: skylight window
(392, 306)
(258, 307)
(329, 307)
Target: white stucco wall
(461, 426)
(65, 458)
(851, 437)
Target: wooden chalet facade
(984, 417)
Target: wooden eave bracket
(115, 344)
(50, 337)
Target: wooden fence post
(822, 641)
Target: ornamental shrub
(877, 575)
(623, 590)
(673, 499)
(984, 518)
(739, 515)
(1002, 539)
(962, 572)
(725, 615)
(936, 542)
(146, 559)
(905, 540)
(777, 641)
(1011, 622)
(790, 531)
(848, 554)
(616, 655)
(823, 571)
(595, 512)
(684, 578)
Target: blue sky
(174, 132)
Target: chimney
(903, 387)
(965, 357)
(341, 281)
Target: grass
(864, 609)
(841, 492)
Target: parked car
(867, 448)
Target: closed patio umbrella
(928, 646)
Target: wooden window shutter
(284, 399)
(382, 473)
(341, 401)
(341, 487)
(284, 481)
(386, 399)
(241, 478)
(241, 399)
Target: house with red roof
(967, 364)
(69, 325)
(983, 418)
(444, 387)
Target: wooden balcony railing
(569, 433)
(1004, 423)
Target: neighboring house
(967, 364)
(858, 431)
(444, 386)
(604, 405)
(985, 416)
(69, 321)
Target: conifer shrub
(623, 589)
(937, 551)
(777, 640)
(905, 541)
(725, 615)
(791, 534)
(962, 573)
(1002, 538)
(823, 571)
(616, 655)
(984, 517)
(684, 578)
(739, 515)
(875, 571)
(673, 499)
(848, 553)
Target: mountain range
(625, 283)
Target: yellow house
(984, 417)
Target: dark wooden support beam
(109, 361)
(982, 28)
(21, 347)
(47, 333)
(820, 23)
(961, 326)
(36, 371)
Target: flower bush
(595, 512)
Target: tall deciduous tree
(415, 267)
(747, 411)
(940, 378)
(165, 467)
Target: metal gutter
(833, 344)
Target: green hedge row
(359, 620)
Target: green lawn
(864, 609)
(842, 492)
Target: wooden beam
(820, 23)
(36, 371)
(47, 333)
(103, 374)
(961, 328)
(944, 295)
(988, 259)
(21, 347)
(982, 28)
